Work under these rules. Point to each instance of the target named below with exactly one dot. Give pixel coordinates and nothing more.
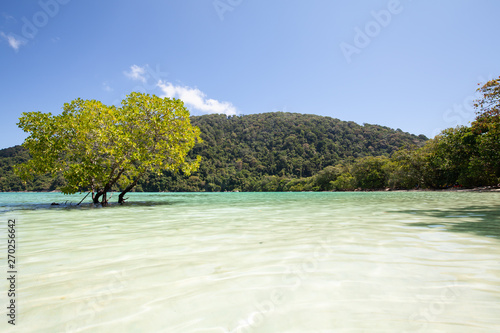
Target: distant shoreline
(452, 189)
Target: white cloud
(13, 41)
(136, 73)
(196, 98)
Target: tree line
(242, 153)
(303, 152)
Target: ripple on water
(260, 262)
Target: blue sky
(413, 65)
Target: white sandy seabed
(257, 262)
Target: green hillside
(243, 152)
(10, 182)
(239, 152)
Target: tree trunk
(121, 200)
(103, 192)
(104, 201)
(96, 196)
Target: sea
(251, 262)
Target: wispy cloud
(136, 73)
(195, 98)
(8, 17)
(106, 87)
(14, 42)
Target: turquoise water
(255, 262)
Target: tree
(487, 127)
(408, 168)
(324, 179)
(488, 106)
(98, 147)
(158, 135)
(370, 172)
(469, 156)
(344, 182)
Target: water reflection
(478, 220)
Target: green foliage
(408, 168)
(9, 181)
(345, 182)
(239, 153)
(488, 106)
(260, 152)
(370, 172)
(487, 128)
(464, 156)
(96, 147)
(324, 179)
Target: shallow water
(256, 262)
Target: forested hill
(240, 151)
